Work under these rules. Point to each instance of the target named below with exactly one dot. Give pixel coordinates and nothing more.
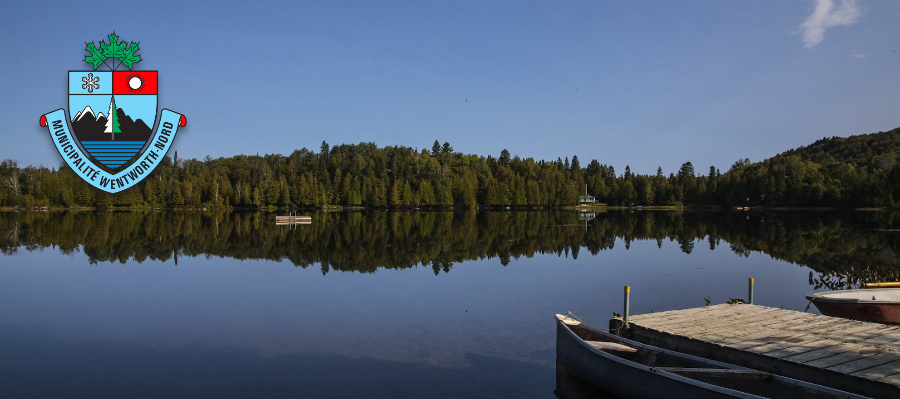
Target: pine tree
(686, 171)
(504, 157)
(112, 121)
(426, 193)
(436, 149)
(406, 196)
(395, 195)
(176, 198)
(713, 180)
(324, 149)
(445, 193)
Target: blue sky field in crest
(136, 106)
(644, 84)
(100, 82)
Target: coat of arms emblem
(111, 143)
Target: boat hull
(880, 305)
(621, 379)
(630, 369)
(571, 386)
(875, 313)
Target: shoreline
(345, 208)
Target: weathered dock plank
(892, 379)
(842, 354)
(792, 341)
(880, 372)
(814, 350)
(694, 327)
(809, 344)
(859, 365)
(688, 318)
(890, 341)
(851, 355)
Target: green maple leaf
(96, 58)
(128, 58)
(115, 49)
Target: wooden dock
(854, 356)
(288, 220)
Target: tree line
(860, 171)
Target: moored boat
(630, 369)
(877, 305)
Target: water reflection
(225, 320)
(365, 242)
(39, 364)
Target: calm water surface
(382, 305)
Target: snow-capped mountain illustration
(87, 111)
(88, 125)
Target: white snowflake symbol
(90, 82)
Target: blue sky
(644, 84)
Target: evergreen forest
(856, 171)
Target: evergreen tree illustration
(112, 123)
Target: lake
(376, 304)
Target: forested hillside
(858, 171)
(875, 150)
(855, 171)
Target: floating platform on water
(288, 220)
(854, 356)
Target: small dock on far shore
(289, 220)
(854, 356)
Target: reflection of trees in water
(364, 242)
(855, 276)
(825, 241)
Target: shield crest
(113, 114)
(115, 149)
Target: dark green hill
(874, 150)
(855, 171)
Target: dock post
(750, 293)
(627, 304)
